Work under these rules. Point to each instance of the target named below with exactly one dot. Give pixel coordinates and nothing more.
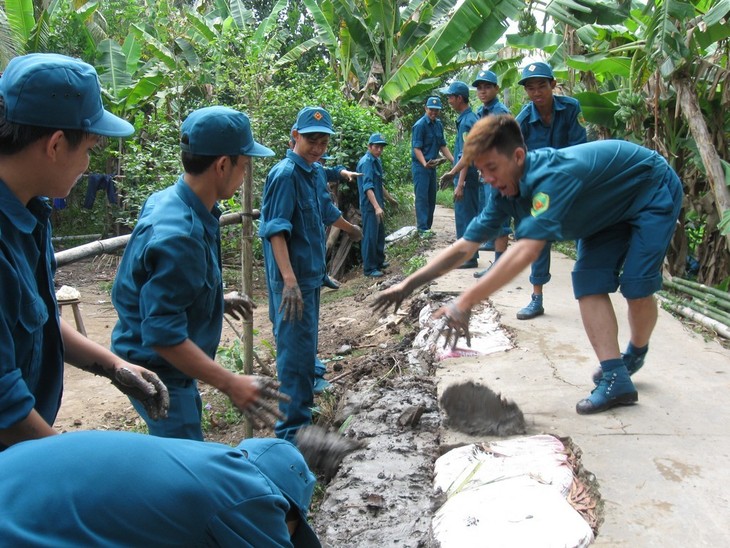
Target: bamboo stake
(719, 293)
(247, 273)
(712, 299)
(715, 326)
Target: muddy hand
(265, 411)
(144, 386)
(355, 233)
(456, 324)
(238, 306)
(446, 180)
(394, 295)
(292, 303)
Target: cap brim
(523, 80)
(258, 151)
(316, 129)
(110, 125)
(305, 537)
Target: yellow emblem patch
(540, 204)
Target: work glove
(238, 306)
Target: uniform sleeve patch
(540, 204)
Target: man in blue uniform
(620, 200)
(487, 87)
(292, 230)
(126, 489)
(548, 120)
(51, 117)
(427, 140)
(168, 291)
(467, 187)
(372, 200)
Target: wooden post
(247, 271)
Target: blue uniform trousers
(424, 183)
(372, 245)
(184, 415)
(296, 352)
(540, 269)
(468, 207)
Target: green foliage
(445, 197)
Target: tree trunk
(698, 128)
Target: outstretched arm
(446, 260)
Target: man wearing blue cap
(372, 200)
(546, 121)
(467, 188)
(168, 291)
(127, 489)
(51, 117)
(427, 140)
(292, 230)
(552, 194)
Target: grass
(445, 198)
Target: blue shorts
(630, 254)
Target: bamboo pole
(111, 245)
(247, 272)
(715, 326)
(712, 299)
(724, 295)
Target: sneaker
(385, 265)
(375, 274)
(481, 273)
(633, 364)
(471, 263)
(321, 384)
(614, 388)
(532, 310)
(330, 282)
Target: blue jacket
(371, 179)
(428, 136)
(31, 350)
(169, 286)
(495, 106)
(565, 130)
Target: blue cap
(314, 120)
(485, 76)
(284, 465)
(433, 102)
(377, 139)
(55, 91)
(536, 70)
(220, 131)
(457, 87)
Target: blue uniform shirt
(495, 106)
(575, 192)
(371, 179)
(124, 489)
(168, 286)
(464, 122)
(428, 136)
(564, 131)
(291, 206)
(31, 350)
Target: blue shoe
(633, 364)
(375, 274)
(532, 310)
(385, 265)
(471, 263)
(321, 384)
(330, 282)
(614, 388)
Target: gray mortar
(383, 493)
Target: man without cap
(168, 291)
(292, 230)
(619, 200)
(548, 120)
(467, 188)
(370, 186)
(127, 489)
(427, 140)
(51, 117)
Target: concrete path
(663, 465)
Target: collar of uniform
(535, 115)
(209, 218)
(298, 160)
(464, 113)
(491, 104)
(524, 184)
(24, 218)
